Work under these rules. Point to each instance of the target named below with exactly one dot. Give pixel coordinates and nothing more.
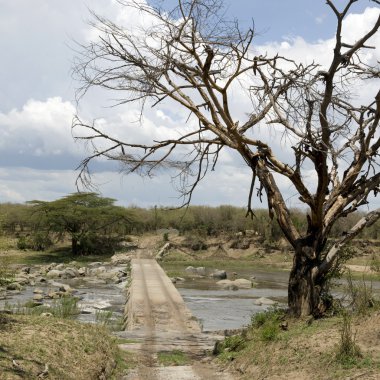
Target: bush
(37, 242)
(6, 272)
(232, 343)
(267, 324)
(195, 243)
(96, 244)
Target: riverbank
(276, 348)
(43, 346)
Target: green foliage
(94, 224)
(106, 318)
(39, 241)
(165, 237)
(267, 324)
(232, 343)
(65, 307)
(172, 358)
(6, 272)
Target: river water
(218, 309)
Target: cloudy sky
(38, 154)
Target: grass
(65, 307)
(325, 348)
(172, 358)
(348, 352)
(72, 350)
(106, 318)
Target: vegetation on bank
(344, 344)
(96, 226)
(63, 348)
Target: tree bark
(74, 246)
(304, 294)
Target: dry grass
(309, 352)
(70, 349)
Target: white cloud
(40, 128)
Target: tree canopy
(196, 59)
(93, 223)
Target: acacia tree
(93, 223)
(194, 58)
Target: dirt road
(159, 321)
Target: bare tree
(194, 58)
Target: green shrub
(232, 343)
(267, 324)
(6, 272)
(37, 242)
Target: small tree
(195, 59)
(93, 223)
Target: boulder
(38, 297)
(264, 301)
(101, 305)
(46, 314)
(70, 273)
(220, 274)
(60, 267)
(14, 286)
(82, 271)
(95, 264)
(54, 273)
(65, 288)
(22, 280)
(53, 295)
(240, 283)
(120, 258)
(200, 271)
(38, 291)
(227, 285)
(98, 271)
(190, 269)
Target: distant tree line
(95, 224)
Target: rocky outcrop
(240, 283)
(264, 302)
(219, 274)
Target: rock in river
(240, 283)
